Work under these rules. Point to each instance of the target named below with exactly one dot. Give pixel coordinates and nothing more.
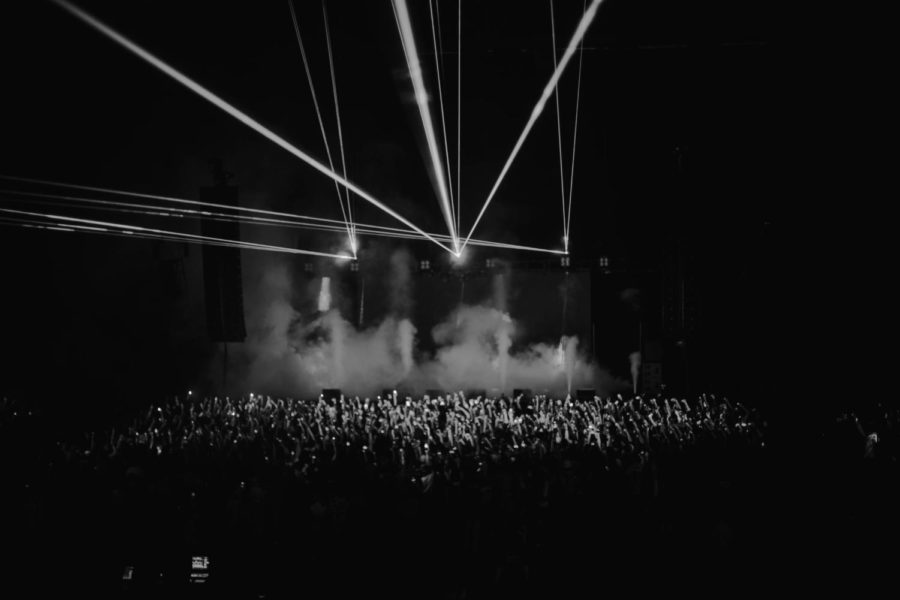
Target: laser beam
(562, 178)
(575, 137)
(438, 67)
(38, 224)
(421, 95)
(458, 117)
(35, 224)
(312, 89)
(139, 229)
(580, 31)
(175, 200)
(295, 222)
(337, 113)
(235, 112)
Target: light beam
(562, 178)
(312, 89)
(295, 222)
(139, 229)
(438, 67)
(421, 95)
(337, 114)
(575, 136)
(459, 118)
(580, 31)
(235, 112)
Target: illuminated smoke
(325, 295)
(337, 328)
(503, 337)
(476, 348)
(400, 279)
(498, 285)
(406, 339)
(635, 359)
(570, 359)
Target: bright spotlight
(459, 259)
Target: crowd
(426, 439)
(487, 488)
(450, 496)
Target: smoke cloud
(295, 354)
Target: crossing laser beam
(337, 114)
(293, 221)
(174, 200)
(129, 234)
(580, 31)
(562, 178)
(438, 66)
(235, 112)
(37, 224)
(458, 117)
(415, 73)
(575, 137)
(312, 89)
(72, 221)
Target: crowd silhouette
(477, 496)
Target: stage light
(564, 261)
(354, 266)
(458, 259)
(308, 267)
(604, 261)
(424, 265)
(490, 263)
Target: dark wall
(97, 319)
